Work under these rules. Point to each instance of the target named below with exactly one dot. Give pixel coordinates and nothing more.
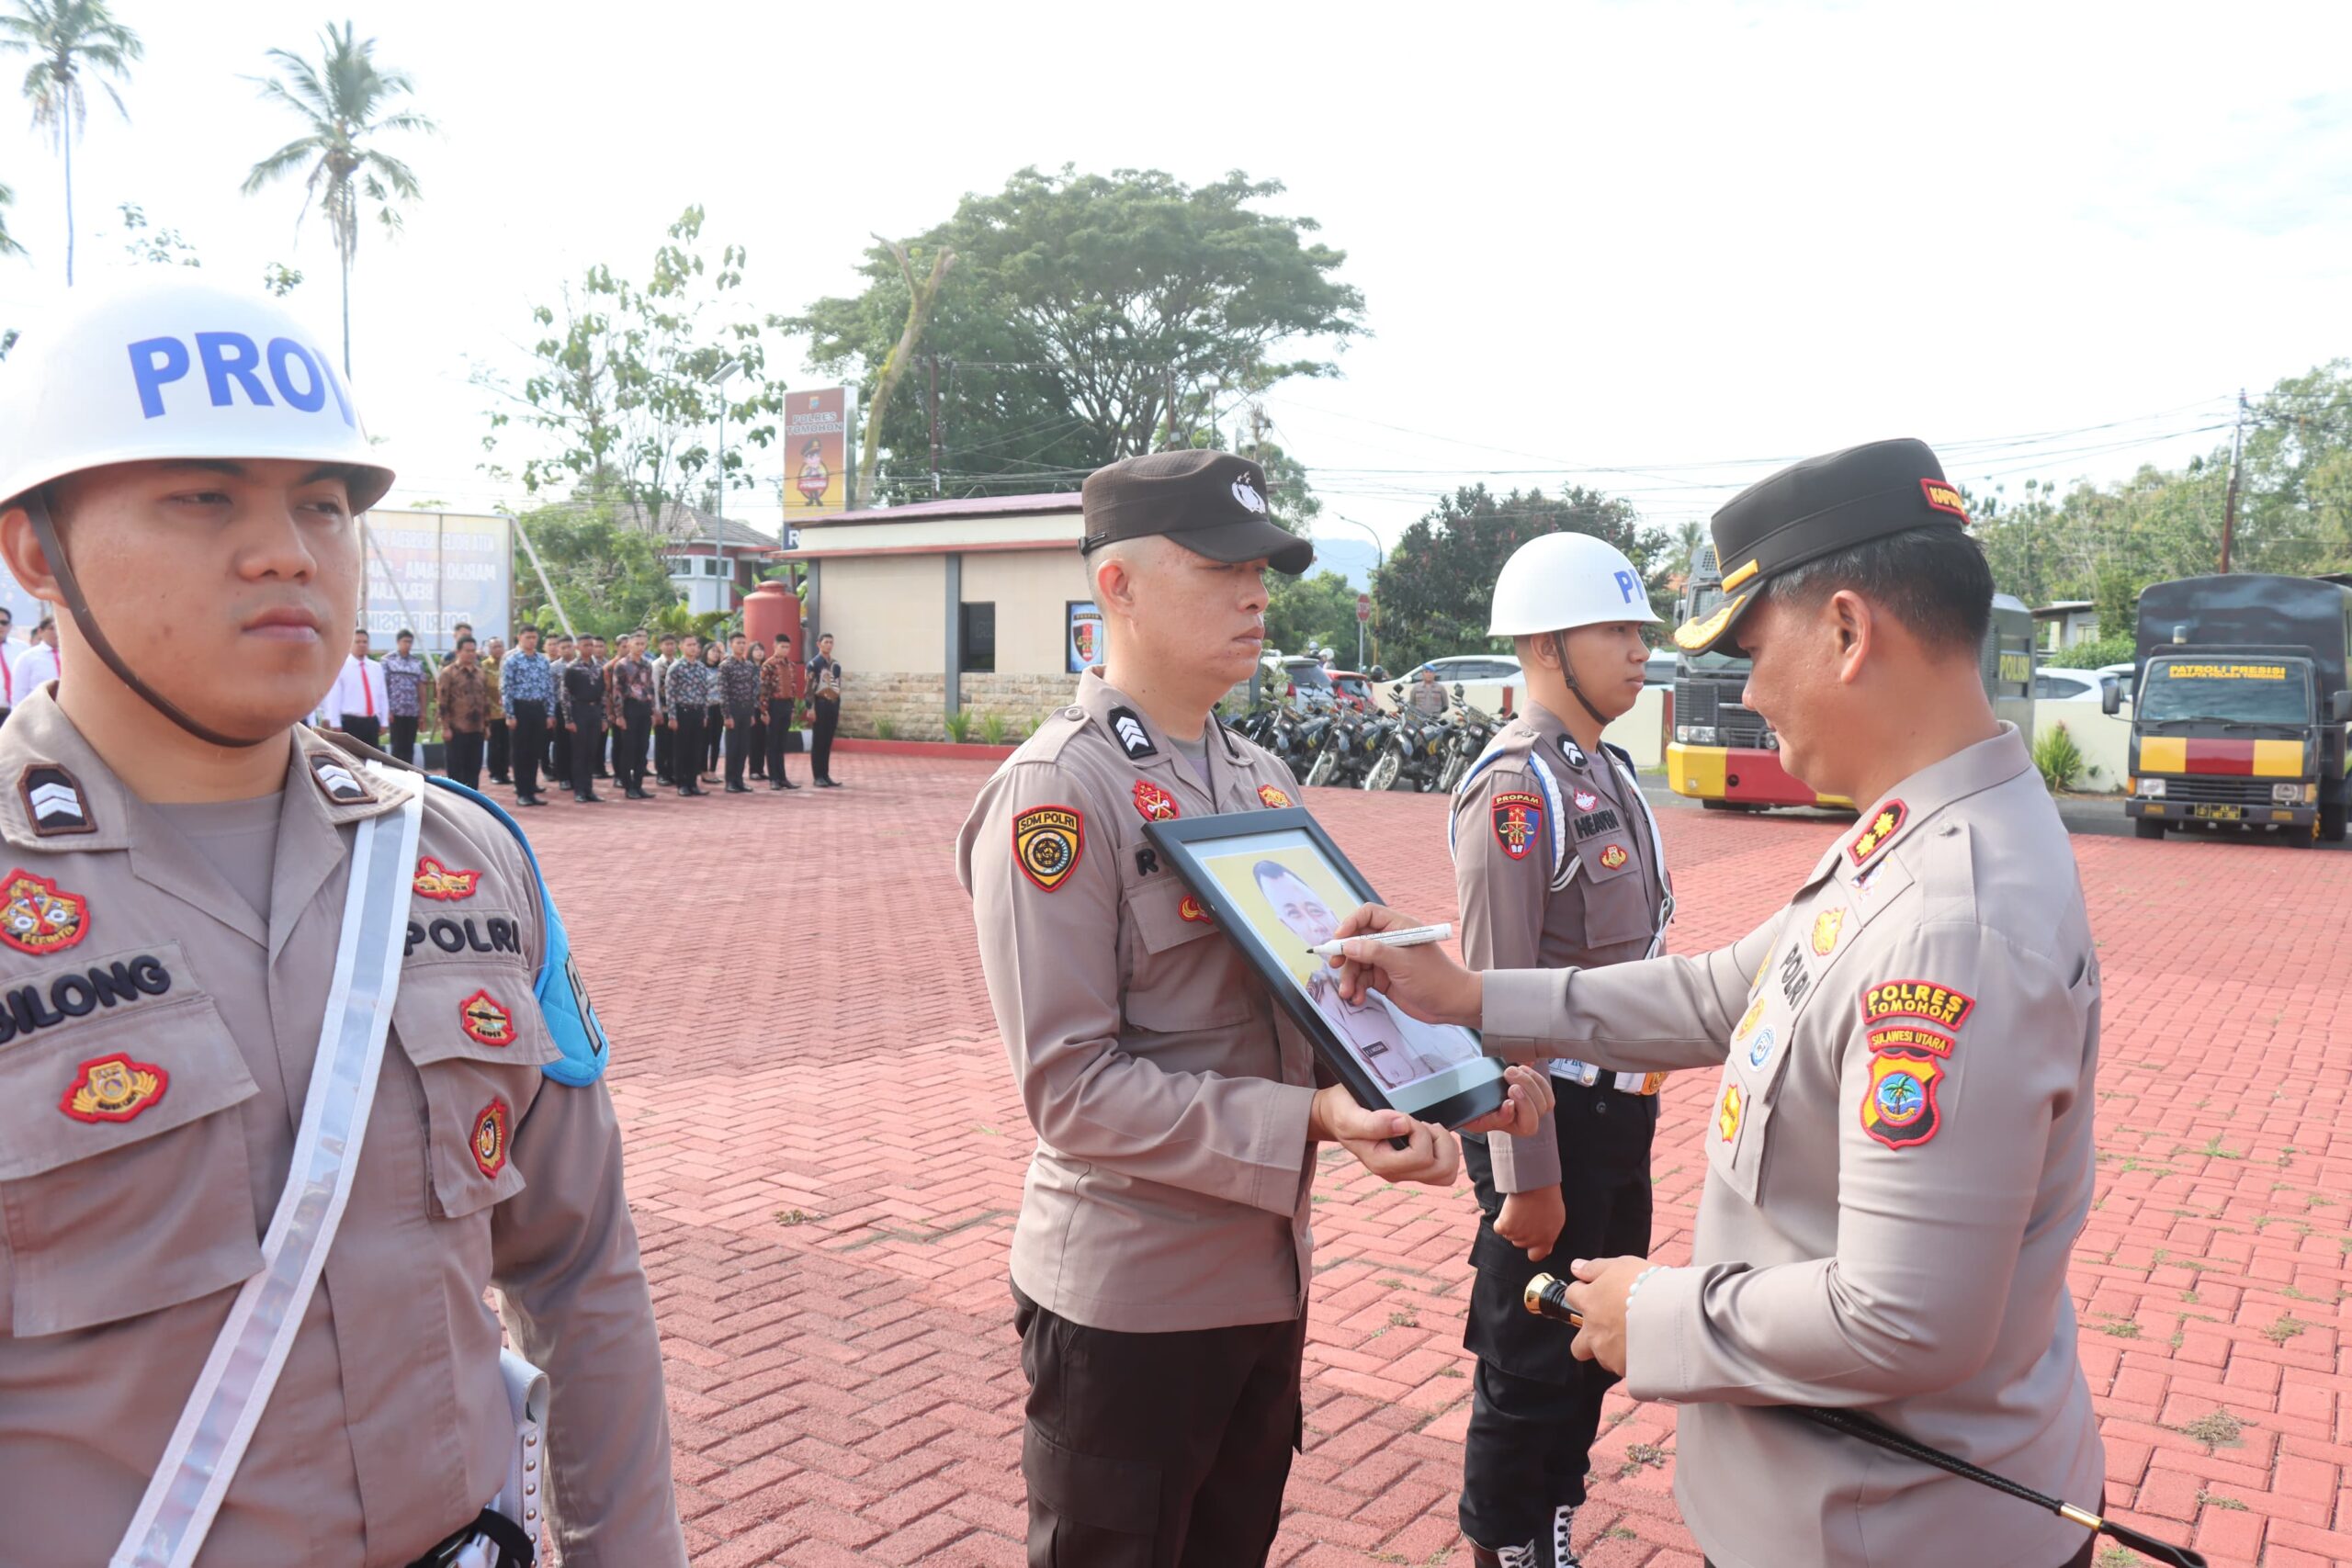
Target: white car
(1470, 668)
(2068, 685)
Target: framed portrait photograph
(1277, 887)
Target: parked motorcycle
(1470, 733)
(1412, 752)
(1347, 752)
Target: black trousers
(560, 749)
(1535, 1408)
(498, 751)
(826, 717)
(664, 746)
(759, 741)
(1157, 1451)
(530, 743)
(686, 747)
(463, 762)
(629, 740)
(587, 750)
(780, 731)
(362, 728)
(403, 744)
(739, 749)
(714, 730)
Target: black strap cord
(516, 1550)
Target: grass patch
(2284, 1330)
(2215, 1500)
(1638, 1455)
(2218, 1430)
(796, 1217)
(2122, 1327)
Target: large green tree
(1435, 592)
(72, 42)
(1078, 307)
(346, 101)
(1315, 610)
(610, 576)
(9, 246)
(624, 394)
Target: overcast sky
(1648, 247)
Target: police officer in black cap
(1160, 1262)
(1899, 1148)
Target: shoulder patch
(1911, 1037)
(1046, 844)
(1275, 799)
(1614, 856)
(1899, 1103)
(1519, 823)
(1922, 999)
(53, 802)
(337, 782)
(1876, 832)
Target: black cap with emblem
(1212, 503)
(1814, 508)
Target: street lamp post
(718, 380)
(1380, 558)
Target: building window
(975, 640)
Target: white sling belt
(177, 1513)
(1568, 862)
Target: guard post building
(981, 605)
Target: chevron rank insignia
(1129, 731)
(53, 802)
(337, 782)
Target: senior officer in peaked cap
(1899, 1150)
(1161, 1261)
(293, 1066)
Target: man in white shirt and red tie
(358, 700)
(8, 654)
(37, 665)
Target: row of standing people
(587, 711)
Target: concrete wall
(887, 614)
(2105, 743)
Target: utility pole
(2229, 506)
(934, 426)
(1171, 407)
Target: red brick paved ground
(825, 1155)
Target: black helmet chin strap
(1560, 652)
(45, 530)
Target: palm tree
(69, 40)
(345, 97)
(9, 246)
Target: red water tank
(770, 610)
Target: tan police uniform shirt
(1168, 1189)
(1898, 1162)
(1504, 866)
(159, 1039)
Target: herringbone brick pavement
(825, 1155)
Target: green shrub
(959, 725)
(992, 727)
(885, 729)
(2060, 760)
(2092, 654)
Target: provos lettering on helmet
(175, 371)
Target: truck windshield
(2240, 691)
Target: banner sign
(816, 453)
(1084, 635)
(428, 570)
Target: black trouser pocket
(1091, 1512)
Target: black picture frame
(1200, 848)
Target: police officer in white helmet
(1556, 862)
(309, 1070)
